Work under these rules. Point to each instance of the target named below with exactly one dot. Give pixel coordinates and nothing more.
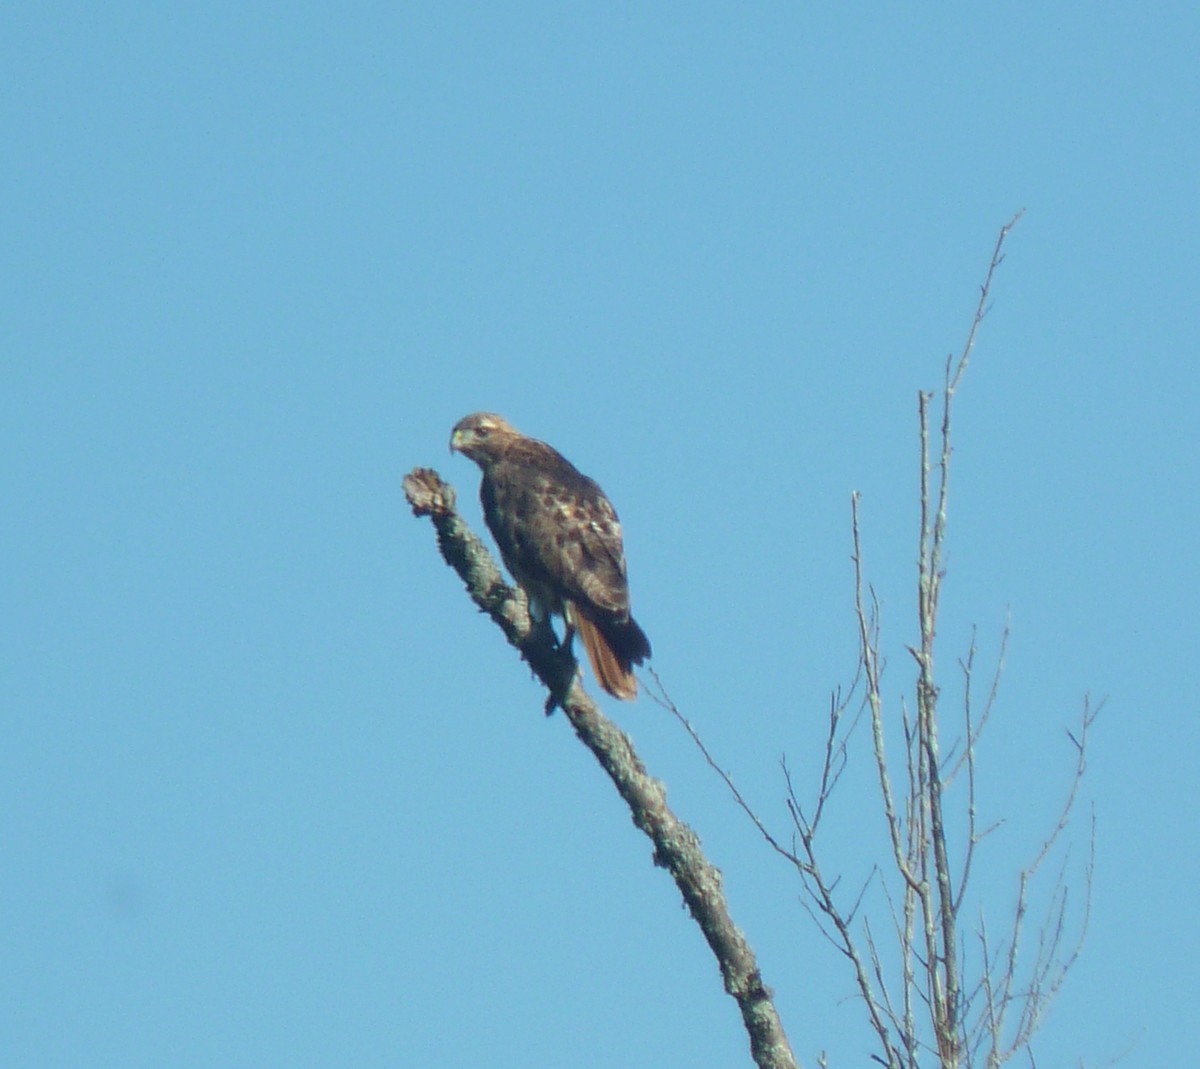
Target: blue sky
(272, 793)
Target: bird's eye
(482, 431)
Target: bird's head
(481, 436)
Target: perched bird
(561, 539)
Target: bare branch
(993, 1014)
(676, 846)
(981, 308)
(868, 624)
(665, 701)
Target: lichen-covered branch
(676, 846)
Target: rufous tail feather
(613, 674)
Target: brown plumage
(561, 539)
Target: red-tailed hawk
(561, 539)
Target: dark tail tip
(629, 642)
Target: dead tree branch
(676, 846)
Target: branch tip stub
(427, 493)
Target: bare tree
(957, 995)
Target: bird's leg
(541, 616)
(568, 615)
(542, 613)
(569, 636)
(537, 611)
(564, 649)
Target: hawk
(561, 539)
